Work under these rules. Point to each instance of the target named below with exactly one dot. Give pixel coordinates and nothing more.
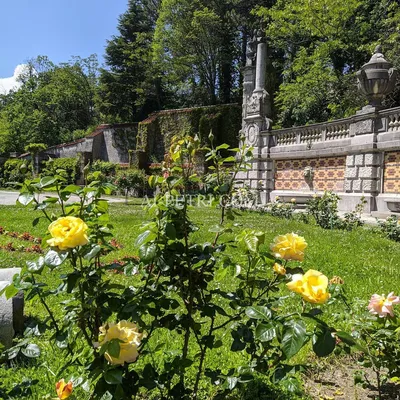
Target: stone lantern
(376, 79)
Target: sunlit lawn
(367, 262)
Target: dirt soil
(335, 381)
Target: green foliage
(279, 208)
(322, 51)
(53, 101)
(130, 87)
(131, 180)
(390, 228)
(68, 168)
(105, 167)
(200, 44)
(35, 148)
(223, 120)
(176, 291)
(14, 170)
(324, 209)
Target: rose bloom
(336, 280)
(279, 269)
(382, 306)
(312, 286)
(293, 200)
(129, 336)
(289, 247)
(63, 389)
(67, 233)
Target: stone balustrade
(308, 134)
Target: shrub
(279, 208)
(105, 167)
(15, 170)
(68, 168)
(324, 209)
(390, 228)
(116, 329)
(131, 181)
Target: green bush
(390, 228)
(15, 170)
(131, 181)
(324, 209)
(105, 167)
(66, 167)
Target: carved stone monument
(256, 115)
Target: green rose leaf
(145, 237)
(258, 312)
(54, 258)
(47, 181)
(10, 291)
(92, 253)
(31, 351)
(294, 336)
(113, 348)
(25, 198)
(323, 342)
(350, 341)
(265, 332)
(147, 252)
(113, 376)
(36, 267)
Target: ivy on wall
(155, 133)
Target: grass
(367, 262)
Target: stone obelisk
(256, 120)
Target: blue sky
(56, 28)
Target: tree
(324, 43)
(130, 87)
(52, 103)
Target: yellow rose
(279, 269)
(289, 247)
(129, 336)
(67, 233)
(312, 286)
(63, 389)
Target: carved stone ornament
(376, 78)
(253, 104)
(252, 134)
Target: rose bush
(172, 288)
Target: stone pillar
(137, 159)
(256, 123)
(363, 163)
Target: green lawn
(367, 262)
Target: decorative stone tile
(391, 174)
(359, 160)
(328, 174)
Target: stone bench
(11, 310)
(393, 205)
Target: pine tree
(129, 87)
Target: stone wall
(328, 174)
(107, 143)
(156, 132)
(355, 157)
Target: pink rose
(381, 305)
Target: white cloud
(6, 84)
